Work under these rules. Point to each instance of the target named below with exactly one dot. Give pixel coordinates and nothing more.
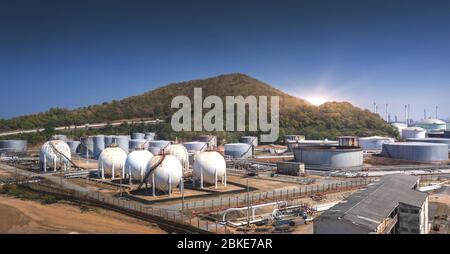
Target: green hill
(296, 115)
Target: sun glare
(317, 101)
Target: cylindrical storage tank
(416, 151)
(249, 140)
(413, 132)
(195, 146)
(432, 125)
(111, 158)
(211, 163)
(374, 143)
(155, 146)
(59, 137)
(179, 152)
(169, 170)
(446, 134)
(348, 141)
(138, 144)
(430, 140)
(13, 146)
(87, 145)
(150, 136)
(136, 163)
(109, 140)
(292, 144)
(73, 145)
(99, 145)
(137, 135)
(329, 157)
(238, 150)
(54, 154)
(209, 139)
(399, 127)
(122, 141)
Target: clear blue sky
(76, 53)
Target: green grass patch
(25, 192)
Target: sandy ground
(24, 216)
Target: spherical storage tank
(180, 152)
(55, 154)
(13, 146)
(210, 163)
(413, 132)
(111, 158)
(329, 157)
(136, 163)
(169, 170)
(195, 146)
(155, 146)
(73, 145)
(416, 151)
(374, 143)
(99, 145)
(238, 150)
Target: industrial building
(329, 157)
(390, 206)
(416, 151)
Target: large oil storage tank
(413, 132)
(122, 141)
(416, 151)
(13, 146)
(239, 150)
(211, 140)
(168, 171)
(155, 146)
(253, 141)
(109, 140)
(73, 145)
(111, 162)
(430, 140)
(374, 143)
(195, 146)
(432, 125)
(99, 145)
(325, 142)
(136, 163)
(399, 126)
(180, 152)
(150, 136)
(329, 157)
(350, 141)
(137, 135)
(137, 144)
(289, 139)
(87, 146)
(211, 164)
(54, 154)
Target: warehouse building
(390, 206)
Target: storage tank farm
(54, 154)
(416, 151)
(111, 162)
(136, 164)
(210, 167)
(166, 173)
(13, 146)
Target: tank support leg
(215, 178)
(153, 185)
(201, 178)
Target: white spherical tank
(109, 157)
(211, 162)
(55, 154)
(169, 169)
(180, 152)
(136, 163)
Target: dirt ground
(31, 217)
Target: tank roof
(415, 144)
(431, 121)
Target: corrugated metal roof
(369, 207)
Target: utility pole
(248, 205)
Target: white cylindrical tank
(122, 142)
(155, 146)
(195, 146)
(55, 154)
(180, 152)
(413, 132)
(137, 135)
(238, 150)
(136, 163)
(138, 144)
(170, 169)
(109, 157)
(211, 162)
